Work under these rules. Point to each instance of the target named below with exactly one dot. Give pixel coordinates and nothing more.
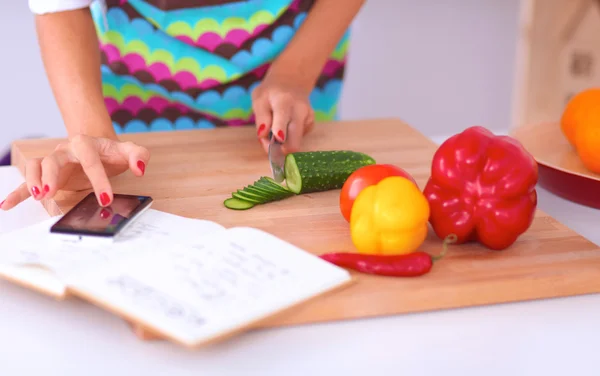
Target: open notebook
(191, 281)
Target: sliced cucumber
(258, 191)
(247, 197)
(268, 188)
(237, 204)
(318, 171)
(262, 191)
(253, 192)
(272, 185)
(266, 195)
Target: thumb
(309, 123)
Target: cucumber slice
(318, 171)
(253, 197)
(258, 190)
(242, 195)
(262, 194)
(237, 204)
(262, 191)
(273, 189)
(272, 185)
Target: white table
(39, 336)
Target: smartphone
(89, 221)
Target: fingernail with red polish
(104, 199)
(260, 129)
(46, 188)
(104, 214)
(2, 203)
(281, 136)
(142, 166)
(35, 191)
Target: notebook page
(158, 225)
(34, 277)
(35, 245)
(211, 289)
(24, 245)
(28, 240)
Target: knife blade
(276, 158)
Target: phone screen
(89, 218)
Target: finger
(115, 154)
(105, 214)
(282, 114)
(262, 116)
(265, 143)
(51, 168)
(33, 177)
(296, 129)
(309, 124)
(85, 150)
(137, 156)
(17, 196)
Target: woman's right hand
(81, 163)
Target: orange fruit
(587, 140)
(580, 123)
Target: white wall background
(440, 65)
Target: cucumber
(237, 204)
(318, 171)
(305, 172)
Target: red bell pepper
(482, 188)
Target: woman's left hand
(277, 102)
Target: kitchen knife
(276, 158)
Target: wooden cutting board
(192, 172)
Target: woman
(180, 64)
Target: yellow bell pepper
(389, 218)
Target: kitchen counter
(543, 337)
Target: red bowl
(561, 172)
(571, 187)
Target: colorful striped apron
(188, 64)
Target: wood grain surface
(191, 172)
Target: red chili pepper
(408, 265)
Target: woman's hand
(278, 101)
(83, 162)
